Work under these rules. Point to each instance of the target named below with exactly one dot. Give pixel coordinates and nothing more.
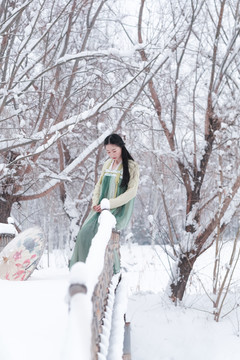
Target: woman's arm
(131, 191)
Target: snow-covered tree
(196, 100)
(164, 73)
(59, 87)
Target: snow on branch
(53, 139)
(8, 22)
(158, 61)
(89, 54)
(233, 207)
(49, 27)
(54, 182)
(225, 213)
(111, 52)
(41, 135)
(9, 144)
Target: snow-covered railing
(91, 293)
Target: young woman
(118, 183)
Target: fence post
(127, 341)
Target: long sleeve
(131, 191)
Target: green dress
(110, 188)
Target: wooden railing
(89, 293)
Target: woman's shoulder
(132, 164)
(107, 163)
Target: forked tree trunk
(184, 268)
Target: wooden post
(7, 234)
(127, 341)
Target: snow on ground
(33, 316)
(162, 331)
(34, 313)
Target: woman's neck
(116, 163)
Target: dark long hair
(115, 139)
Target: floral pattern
(20, 257)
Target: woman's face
(114, 152)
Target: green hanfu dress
(109, 187)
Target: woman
(118, 183)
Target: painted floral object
(21, 256)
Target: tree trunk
(184, 268)
(5, 209)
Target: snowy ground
(34, 313)
(33, 316)
(161, 331)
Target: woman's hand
(104, 205)
(97, 208)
